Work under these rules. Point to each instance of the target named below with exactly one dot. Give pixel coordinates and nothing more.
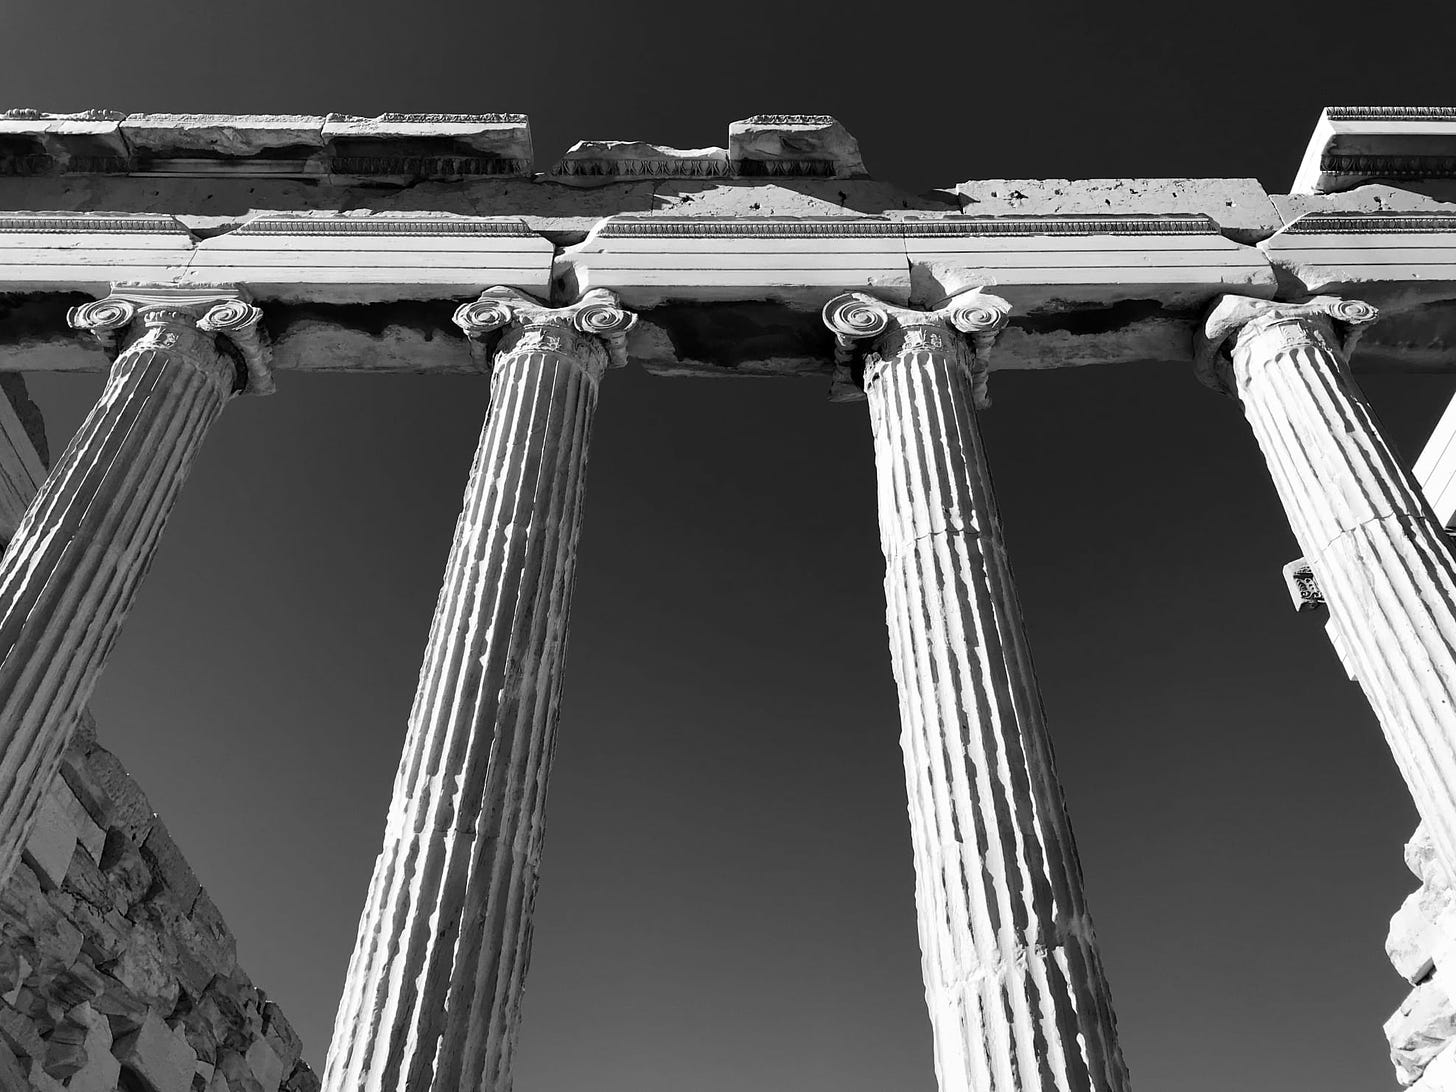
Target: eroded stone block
(814, 145)
(159, 1056)
(594, 162)
(52, 841)
(1242, 209)
(1420, 1029)
(169, 868)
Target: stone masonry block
(280, 1034)
(1440, 1073)
(12, 1073)
(208, 938)
(169, 868)
(102, 1070)
(52, 841)
(302, 1079)
(130, 810)
(158, 1056)
(267, 1067)
(1424, 924)
(124, 866)
(18, 1033)
(88, 832)
(147, 967)
(65, 1051)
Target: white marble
(1013, 980)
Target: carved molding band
(503, 318)
(873, 333)
(222, 318)
(1303, 587)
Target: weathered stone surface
(125, 867)
(813, 145)
(266, 1066)
(65, 1050)
(119, 946)
(19, 1034)
(1010, 991)
(435, 145)
(170, 868)
(22, 454)
(1439, 1074)
(1242, 209)
(1424, 925)
(589, 162)
(173, 135)
(69, 577)
(33, 141)
(1362, 522)
(1373, 197)
(1421, 858)
(433, 993)
(12, 1073)
(120, 804)
(52, 841)
(1420, 1029)
(101, 1069)
(159, 1056)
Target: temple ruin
(191, 257)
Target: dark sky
(727, 893)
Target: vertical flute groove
(433, 996)
(1382, 560)
(1017, 998)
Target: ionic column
(1379, 554)
(70, 574)
(433, 995)
(1013, 980)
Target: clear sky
(727, 898)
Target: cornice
(1388, 113)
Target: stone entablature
(207, 251)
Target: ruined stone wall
(1422, 947)
(116, 970)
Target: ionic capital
(505, 320)
(198, 323)
(1324, 322)
(875, 333)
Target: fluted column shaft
(71, 573)
(432, 999)
(1380, 556)
(1013, 980)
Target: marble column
(1013, 980)
(71, 573)
(433, 995)
(1379, 555)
